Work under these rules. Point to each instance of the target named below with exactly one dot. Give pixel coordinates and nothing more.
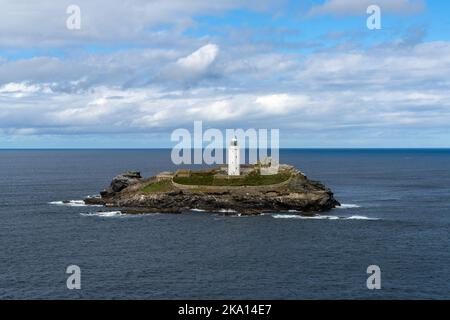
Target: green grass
(249, 180)
(161, 186)
(196, 179)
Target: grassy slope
(161, 186)
(250, 180)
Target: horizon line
(287, 148)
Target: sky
(137, 70)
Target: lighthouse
(233, 158)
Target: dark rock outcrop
(121, 182)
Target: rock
(124, 180)
(297, 193)
(94, 201)
(121, 182)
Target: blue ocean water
(396, 215)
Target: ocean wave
(360, 218)
(109, 214)
(73, 203)
(93, 196)
(320, 217)
(220, 211)
(295, 216)
(227, 211)
(103, 214)
(348, 206)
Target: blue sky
(312, 69)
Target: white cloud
(276, 104)
(358, 7)
(22, 88)
(348, 93)
(327, 90)
(43, 23)
(199, 60)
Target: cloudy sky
(136, 70)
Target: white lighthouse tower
(233, 158)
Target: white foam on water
(360, 218)
(296, 216)
(227, 211)
(103, 214)
(237, 215)
(93, 196)
(73, 203)
(113, 214)
(240, 215)
(320, 217)
(221, 210)
(348, 206)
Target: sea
(395, 215)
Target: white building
(234, 159)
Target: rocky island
(213, 190)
